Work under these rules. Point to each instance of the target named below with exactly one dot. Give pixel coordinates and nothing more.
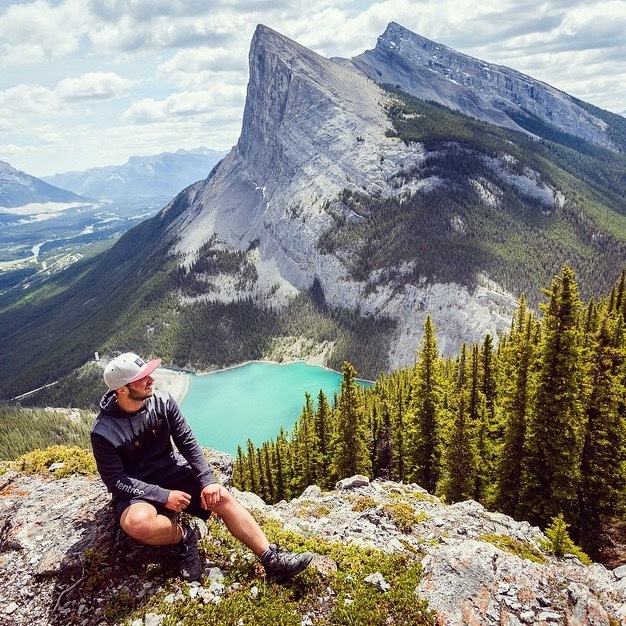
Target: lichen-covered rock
(55, 533)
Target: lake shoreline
(253, 400)
(177, 380)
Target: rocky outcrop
(489, 92)
(313, 127)
(472, 574)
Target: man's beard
(133, 394)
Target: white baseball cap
(126, 368)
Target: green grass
(340, 597)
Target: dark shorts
(180, 478)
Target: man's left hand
(211, 496)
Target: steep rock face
(489, 92)
(313, 127)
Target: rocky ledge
(479, 567)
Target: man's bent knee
(138, 521)
(228, 505)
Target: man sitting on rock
(151, 482)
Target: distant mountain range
(162, 175)
(140, 180)
(363, 195)
(18, 189)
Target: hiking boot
(189, 565)
(283, 566)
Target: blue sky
(86, 83)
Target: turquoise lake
(253, 401)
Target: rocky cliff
(62, 561)
(493, 93)
(313, 127)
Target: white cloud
(146, 111)
(204, 67)
(85, 81)
(22, 101)
(161, 32)
(38, 31)
(217, 59)
(94, 86)
(188, 103)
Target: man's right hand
(177, 500)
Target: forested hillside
(24, 430)
(494, 202)
(534, 428)
(484, 203)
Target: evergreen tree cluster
(534, 428)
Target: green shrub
(313, 509)
(74, 460)
(363, 503)
(559, 543)
(519, 548)
(403, 515)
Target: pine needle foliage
(535, 428)
(24, 430)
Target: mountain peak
(493, 93)
(18, 189)
(286, 80)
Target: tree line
(534, 427)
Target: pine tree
(551, 477)
(323, 430)
(240, 477)
(489, 430)
(396, 405)
(250, 462)
(603, 479)
(459, 458)
(281, 463)
(382, 464)
(476, 410)
(261, 489)
(268, 469)
(308, 447)
(350, 449)
(426, 412)
(620, 295)
(516, 392)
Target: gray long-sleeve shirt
(134, 450)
